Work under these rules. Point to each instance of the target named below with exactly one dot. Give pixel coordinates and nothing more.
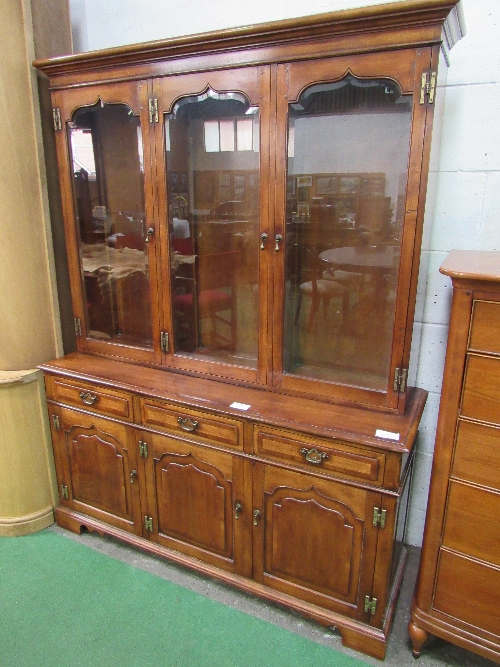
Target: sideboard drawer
(194, 423)
(481, 394)
(485, 326)
(110, 402)
(329, 456)
(477, 454)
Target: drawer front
(110, 402)
(196, 424)
(468, 591)
(329, 456)
(477, 454)
(481, 395)
(485, 327)
(472, 526)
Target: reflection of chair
(319, 289)
(211, 295)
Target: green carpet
(64, 604)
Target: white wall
(464, 182)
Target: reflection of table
(363, 258)
(112, 263)
(371, 271)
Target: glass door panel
(348, 150)
(213, 192)
(108, 183)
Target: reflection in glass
(348, 145)
(212, 161)
(108, 173)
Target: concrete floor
(436, 653)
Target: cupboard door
(97, 469)
(212, 156)
(348, 220)
(314, 539)
(198, 502)
(104, 148)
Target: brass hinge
(153, 109)
(56, 423)
(56, 116)
(164, 341)
(78, 326)
(428, 87)
(143, 449)
(148, 523)
(64, 491)
(370, 605)
(379, 517)
(400, 379)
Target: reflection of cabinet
(277, 455)
(301, 505)
(458, 588)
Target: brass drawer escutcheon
(314, 455)
(188, 424)
(88, 398)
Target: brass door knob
(238, 507)
(256, 517)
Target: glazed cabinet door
(314, 539)
(198, 502)
(105, 170)
(97, 468)
(213, 177)
(348, 223)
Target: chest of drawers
(458, 589)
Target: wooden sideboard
(457, 594)
(301, 504)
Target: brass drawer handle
(188, 424)
(238, 507)
(88, 398)
(256, 517)
(314, 456)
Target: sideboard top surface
(331, 420)
(472, 265)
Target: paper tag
(239, 406)
(386, 434)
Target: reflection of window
(229, 135)
(83, 152)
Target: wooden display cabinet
(459, 579)
(281, 440)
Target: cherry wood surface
(331, 420)
(202, 445)
(458, 583)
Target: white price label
(239, 406)
(389, 435)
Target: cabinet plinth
(459, 577)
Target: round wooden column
(30, 330)
(27, 476)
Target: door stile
(281, 84)
(161, 229)
(426, 58)
(70, 226)
(267, 174)
(152, 218)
